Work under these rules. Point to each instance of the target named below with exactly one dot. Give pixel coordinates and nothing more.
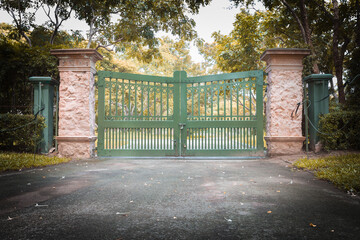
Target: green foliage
(242, 48)
(173, 56)
(20, 132)
(18, 161)
(340, 130)
(341, 170)
(19, 61)
(353, 88)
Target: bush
(340, 130)
(20, 132)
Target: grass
(17, 161)
(343, 170)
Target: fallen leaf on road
(123, 213)
(312, 225)
(38, 205)
(278, 191)
(269, 211)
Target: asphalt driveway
(174, 199)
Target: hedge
(340, 130)
(20, 133)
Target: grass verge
(17, 161)
(343, 170)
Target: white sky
(218, 16)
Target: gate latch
(182, 125)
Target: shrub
(340, 130)
(20, 132)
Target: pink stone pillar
(77, 102)
(283, 129)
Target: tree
(57, 12)
(173, 56)
(22, 13)
(241, 49)
(320, 20)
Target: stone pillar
(283, 126)
(76, 138)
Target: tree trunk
(338, 60)
(357, 23)
(303, 24)
(307, 35)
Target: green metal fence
(216, 115)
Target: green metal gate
(216, 115)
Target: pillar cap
(284, 51)
(76, 51)
(47, 80)
(318, 77)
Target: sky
(218, 16)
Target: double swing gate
(216, 115)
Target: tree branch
(296, 18)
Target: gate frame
(180, 123)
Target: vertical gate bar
(231, 100)
(142, 100)
(248, 137)
(110, 89)
(116, 96)
(259, 111)
(224, 88)
(183, 111)
(212, 101)
(167, 101)
(237, 138)
(192, 100)
(151, 142)
(228, 138)
(237, 99)
(211, 139)
(135, 102)
(111, 136)
(244, 100)
(148, 100)
(101, 112)
(218, 102)
(250, 107)
(199, 99)
(129, 100)
(146, 142)
(155, 86)
(202, 138)
(205, 101)
(205, 138)
(161, 101)
(216, 138)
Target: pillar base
(284, 145)
(76, 146)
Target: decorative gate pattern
(217, 115)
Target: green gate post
(44, 105)
(318, 102)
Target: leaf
(312, 225)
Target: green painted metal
(44, 105)
(318, 92)
(216, 115)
